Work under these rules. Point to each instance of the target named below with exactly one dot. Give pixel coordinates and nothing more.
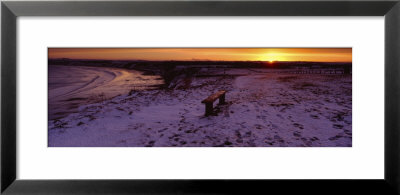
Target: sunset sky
(226, 54)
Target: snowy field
(264, 109)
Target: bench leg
(209, 109)
(222, 99)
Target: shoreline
(84, 85)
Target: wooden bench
(210, 100)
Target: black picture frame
(11, 10)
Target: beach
(73, 86)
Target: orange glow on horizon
(270, 55)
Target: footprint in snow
(335, 137)
(297, 134)
(337, 126)
(300, 126)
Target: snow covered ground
(264, 109)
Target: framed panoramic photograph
(145, 97)
(200, 97)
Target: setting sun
(272, 57)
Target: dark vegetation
(155, 66)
